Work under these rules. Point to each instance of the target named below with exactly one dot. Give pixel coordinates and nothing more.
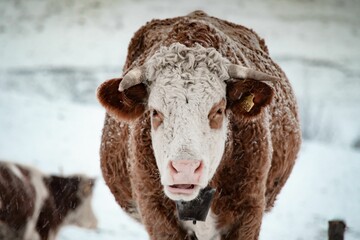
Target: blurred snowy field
(53, 55)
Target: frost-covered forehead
(182, 74)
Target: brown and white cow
(201, 106)
(35, 206)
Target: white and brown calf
(35, 206)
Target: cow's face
(72, 196)
(188, 96)
(187, 103)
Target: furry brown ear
(248, 97)
(126, 105)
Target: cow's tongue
(197, 209)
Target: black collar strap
(197, 209)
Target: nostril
(199, 168)
(173, 168)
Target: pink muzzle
(186, 175)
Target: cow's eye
(216, 115)
(156, 118)
(216, 118)
(155, 113)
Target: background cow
(34, 205)
(201, 104)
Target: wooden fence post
(336, 230)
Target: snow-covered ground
(54, 54)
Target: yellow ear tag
(248, 103)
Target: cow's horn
(132, 78)
(237, 71)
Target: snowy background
(54, 54)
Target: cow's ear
(248, 97)
(126, 105)
(87, 186)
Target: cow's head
(72, 197)
(189, 93)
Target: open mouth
(182, 188)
